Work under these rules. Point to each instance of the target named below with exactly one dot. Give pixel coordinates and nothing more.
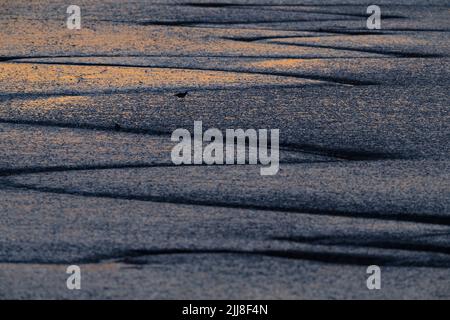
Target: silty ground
(86, 176)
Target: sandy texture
(86, 176)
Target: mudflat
(86, 176)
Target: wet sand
(86, 176)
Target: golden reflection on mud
(29, 78)
(26, 37)
(60, 102)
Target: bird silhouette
(117, 126)
(181, 95)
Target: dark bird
(117, 126)
(181, 95)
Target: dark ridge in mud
(230, 25)
(193, 23)
(12, 58)
(363, 32)
(353, 32)
(71, 93)
(356, 15)
(39, 95)
(342, 153)
(16, 59)
(381, 242)
(36, 170)
(400, 54)
(336, 153)
(7, 172)
(437, 219)
(253, 39)
(211, 4)
(275, 7)
(139, 257)
(84, 126)
(227, 4)
(260, 38)
(344, 81)
(169, 91)
(417, 30)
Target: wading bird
(181, 95)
